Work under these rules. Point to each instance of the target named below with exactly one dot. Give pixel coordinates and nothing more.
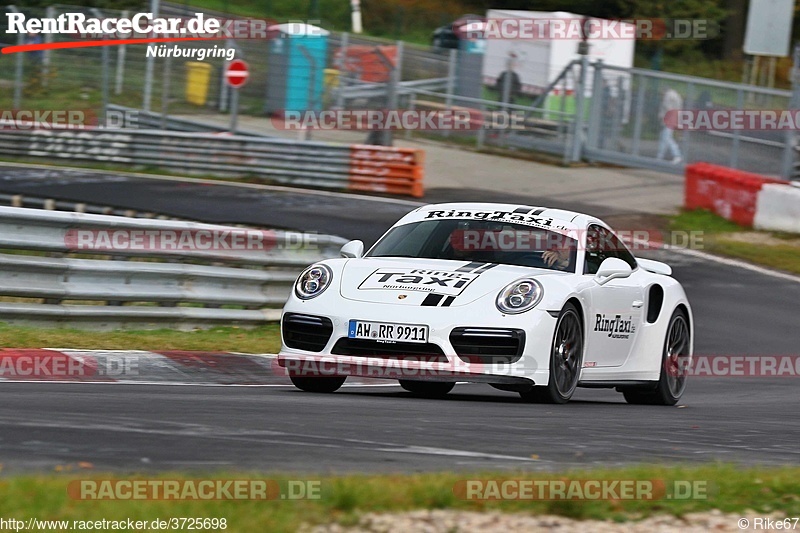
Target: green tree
(713, 12)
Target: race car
(531, 300)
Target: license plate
(387, 331)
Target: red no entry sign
(237, 73)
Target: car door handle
(637, 304)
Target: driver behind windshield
(557, 258)
(480, 241)
(510, 244)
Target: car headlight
(519, 296)
(313, 282)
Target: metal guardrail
(51, 204)
(128, 117)
(378, 90)
(34, 229)
(307, 163)
(140, 284)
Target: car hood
(415, 282)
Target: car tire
(314, 384)
(566, 360)
(672, 382)
(427, 389)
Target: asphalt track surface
(131, 427)
(351, 216)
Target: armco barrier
(130, 117)
(307, 163)
(778, 208)
(215, 277)
(728, 192)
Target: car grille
(398, 350)
(306, 332)
(488, 345)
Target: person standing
(670, 101)
(508, 84)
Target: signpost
(768, 33)
(236, 75)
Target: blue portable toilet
(469, 69)
(296, 67)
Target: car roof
(560, 219)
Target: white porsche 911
(530, 300)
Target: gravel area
(448, 521)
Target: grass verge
(774, 250)
(342, 499)
(264, 339)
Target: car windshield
(480, 241)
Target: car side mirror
(612, 268)
(352, 250)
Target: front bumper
(531, 367)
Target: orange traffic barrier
(368, 63)
(386, 169)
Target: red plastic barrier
(728, 192)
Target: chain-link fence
(584, 110)
(627, 125)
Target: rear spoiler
(656, 267)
